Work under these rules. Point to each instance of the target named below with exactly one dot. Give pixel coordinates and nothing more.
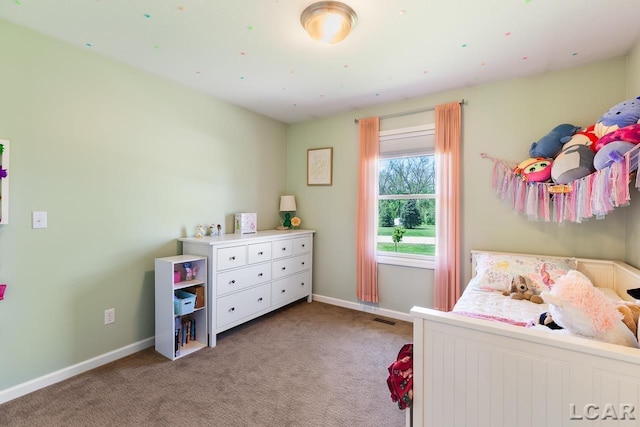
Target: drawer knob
(260, 299)
(232, 282)
(303, 245)
(302, 284)
(283, 291)
(284, 249)
(260, 253)
(302, 262)
(259, 274)
(232, 309)
(284, 268)
(232, 258)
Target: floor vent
(388, 322)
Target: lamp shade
(287, 203)
(328, 22)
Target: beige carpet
(308, 364)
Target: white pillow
(495, 271)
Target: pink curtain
(447, 273)
(366, 221)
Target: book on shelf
(177, 327)
(185, 331)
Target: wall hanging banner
(594, 195)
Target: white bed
(474, 372)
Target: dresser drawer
(302, 245)
(291, 288)
(282, 248)
(259, 252)
(237, 306)
(285, 267)
(235, 280)
(231, 257)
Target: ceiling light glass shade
(287, 203)
(328, 21)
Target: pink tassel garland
(595, 195)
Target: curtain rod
(406, 113)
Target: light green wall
(633, 215)
(501, 119)
(124, 163)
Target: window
(406, 197)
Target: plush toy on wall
(522, 289)
(620, 115)
(613, 152)
(629, 133)
(572, 163)
(578, 307)
(535, 169)
(612, 147)
(585, 136)
(550, 145)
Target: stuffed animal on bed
(522, 289)
(580, 308)
(546, 319)
(550, 145)
(630, 316)
(620, 115)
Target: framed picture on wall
(320, 166)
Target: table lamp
(287, 205)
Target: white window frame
(406, 260)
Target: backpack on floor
(400, 379)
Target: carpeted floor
(308, 364)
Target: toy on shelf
(188, 271)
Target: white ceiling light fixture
(328, 22)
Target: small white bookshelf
(181, 327)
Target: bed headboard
(604, 273)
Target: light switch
(39, 220)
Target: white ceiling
(255, 53)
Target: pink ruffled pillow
(580, 308)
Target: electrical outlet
(109, 316)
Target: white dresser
(253, 274)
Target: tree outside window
(407, 200)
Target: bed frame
(473, 372)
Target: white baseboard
(71, 371)
(364, 307)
